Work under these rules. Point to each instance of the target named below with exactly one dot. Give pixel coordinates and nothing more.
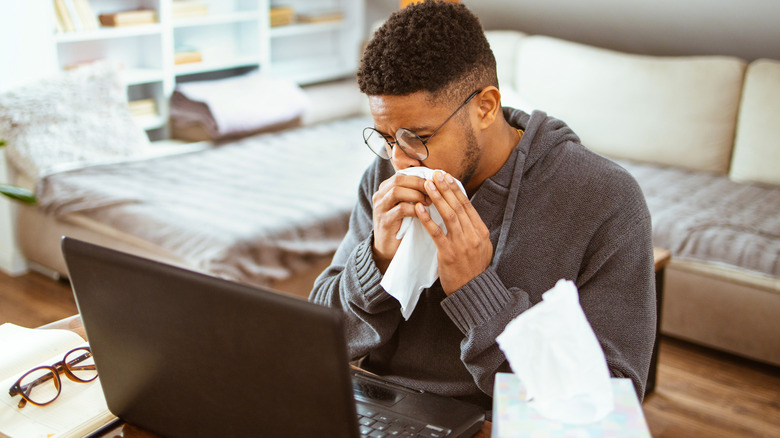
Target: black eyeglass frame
(384, 151)
(62, 367)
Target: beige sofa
(702, 137)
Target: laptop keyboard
(377, 423)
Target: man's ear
(489, 101)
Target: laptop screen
(185, 354)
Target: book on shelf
(59, 25)
(189, 8)
(186, 55)
(80, 408)
(319, 16)
(143, 108)
(281, 15)
(87, 17)
(129, 18)
(74, 15)
(63, 15)
(70, 7)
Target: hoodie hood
(542, 134)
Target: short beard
(471, 156)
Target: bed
(269, 209)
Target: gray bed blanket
(256, 210)
(707, 217)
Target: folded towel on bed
(234, 107)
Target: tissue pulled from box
(553, 350)
(415, 265)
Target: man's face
(453, 149)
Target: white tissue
(553, 350)
(415, 265)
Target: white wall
(26, 53)
(749, 29)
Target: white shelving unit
(233, 37)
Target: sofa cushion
(677, 111)
(505, 44)
(708, 218)
(757, 145)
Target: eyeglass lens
(81, 365)
(42, 385)
(411, 144)
(409, 141)
(377, 142)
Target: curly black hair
(434, 46)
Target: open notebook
(185, 354)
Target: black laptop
(184, 354)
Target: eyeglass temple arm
(468, 99)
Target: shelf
(150, 122)
(310, 70)
(305, 29)
(233, 37)
(109, 33)
(137, 76)
(206, 20)
(206, 66)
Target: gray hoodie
(555, 210)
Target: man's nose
(400, 160)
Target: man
(538, 207)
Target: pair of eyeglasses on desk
(42, 385)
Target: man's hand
(465, 251)
(394, 201)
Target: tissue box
(514, 417)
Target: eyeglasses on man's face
(42, 385)
(411, 143)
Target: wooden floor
(699, 393)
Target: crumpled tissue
(553, 350)
(415, 265)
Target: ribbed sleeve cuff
(477, 301)
(367, 274)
